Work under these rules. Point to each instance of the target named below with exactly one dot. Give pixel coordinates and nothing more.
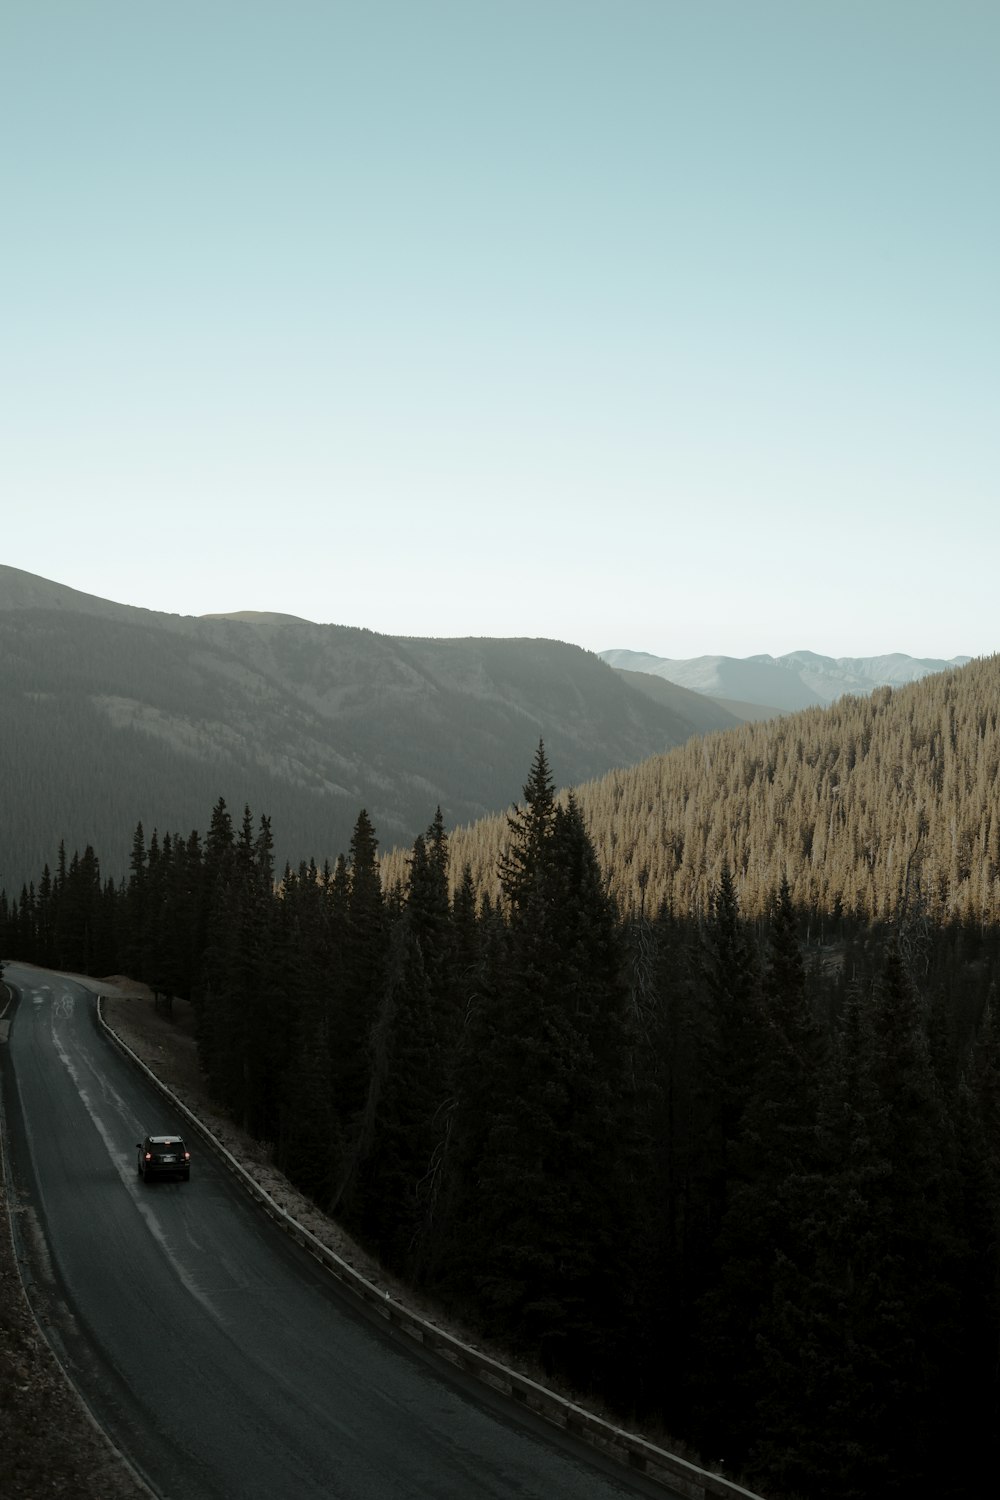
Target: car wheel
(185, 1177)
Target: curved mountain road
(221, 1360)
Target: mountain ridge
(796, 680)
(114, 714)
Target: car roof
(163, 1137)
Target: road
(220, 1358)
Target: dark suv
(163, 1156)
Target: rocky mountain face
(111, 715)
(800, 679)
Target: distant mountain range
(111, 715)
(781, 684)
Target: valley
(699, 1045)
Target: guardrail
(633, 1452)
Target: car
(163, 1156)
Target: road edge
(20, 1258)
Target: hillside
(857, 804)
(706, 713)
(113, 714)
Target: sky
(671, 325)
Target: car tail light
(187, 1156)
(149, 1156)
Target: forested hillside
(109, 715)
(734, 1177)
(859, 806)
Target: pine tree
(134, 913)
(215, 996)
(771, 1197)
(308, 1148)
(44, 918)
(261, 988)
(523, 862)
(979, 1162)
(728, 1038)
(413, 1043)
(909, 1316)
(359, 984)
(544, 1211)
(861, 1358)
(77, 901)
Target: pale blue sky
(665, 324)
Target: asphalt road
(220, 1358)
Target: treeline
(855, 805)
(73, 767)
(734, 1177)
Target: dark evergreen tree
(26, 925)
(545, 1212)
(77, 918)
(212, 995)
(731, 1037)
(135, 914)
(770, 1199)
(979, 1164)
(861, 1362)
(727, 1027)
(44, 934)
(524, 862)
(412, 1046)
(308, 1146)
(412, 1043)
(906, 1311)
(359, 983)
